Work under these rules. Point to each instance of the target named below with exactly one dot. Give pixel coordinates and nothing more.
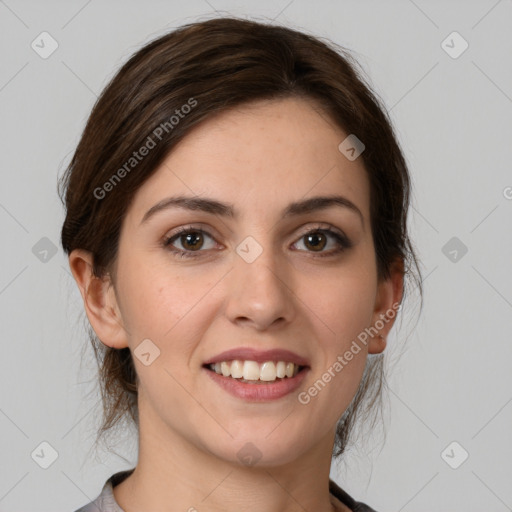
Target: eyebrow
(215, 207)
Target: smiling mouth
(251, 372)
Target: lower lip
(258, 392)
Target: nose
(259, 294)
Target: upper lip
(260, 356)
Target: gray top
(106, 502)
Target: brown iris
(316, 241)
(193, 240)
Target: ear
(387, 300)
(100, 301)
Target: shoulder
(346, 499)
(106, 502)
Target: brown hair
(212, 66)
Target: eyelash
(343, 242)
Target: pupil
(315, 239)
(192, 240)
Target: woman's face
(251, 278)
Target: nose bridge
(258, 291)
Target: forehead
(258, 155)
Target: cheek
(344, 310)
(169, 307)
(145, 291)
(343, 302)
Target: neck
(173, 473)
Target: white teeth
(268, 371)
(237, 369)
(251, 370)
(224, 368)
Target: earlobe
(100, 302)
(388, 299)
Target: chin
(258, 451)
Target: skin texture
(259, 158)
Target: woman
(236, 225)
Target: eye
(189, 242)
(192, 240)
(316, 240)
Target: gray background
(450, 379)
